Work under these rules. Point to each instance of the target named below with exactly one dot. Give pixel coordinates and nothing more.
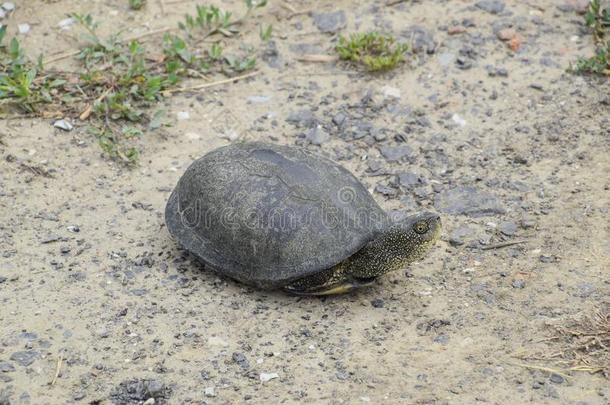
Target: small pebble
(66, 23)
(390, 92)
(458, 120)
(8, 6)
(339, 119)
(519, 283)
(506, 34)
(491, 6)
(556, 378)
(25, 358)
(183, 115)
(317, 135)
(258, 99)
(264, 377)
(63, 124)
(23, 28)
(508, 228)
(377, 303)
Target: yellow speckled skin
(404, 242)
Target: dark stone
(339, 119)
(271, 55)
(377, 303)
(585, 290)
(420, 38)
(456, 238)
(28, 335)
(302, 118)
(519, 283)
(130, 391)
(3, 279)
(556, 378)
(468, 201)
(147, 261)
(138, 292)
(551, 391)
(373, 165)
(5, 396)
(78, 395)
(491, 6)
(442, 339)
(385, 190)
(501, 72)
(508, 228)
(6, 367)
(463, 63)
(241, 360)
(25, 358)
(395, 153)
(433, 324)
(330, 22)
(304, 48)
(317, 135)
(50, 239)
(410, 180)
(421, 192)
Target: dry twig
(217, 83)
(57, 369)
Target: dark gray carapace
(268, 215)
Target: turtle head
(411, 238)
(401, 243)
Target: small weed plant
(377, 52)
(597, 18)
(122, 80)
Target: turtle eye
(421, 227)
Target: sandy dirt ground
(506, 145)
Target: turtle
(283, 217)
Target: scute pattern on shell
(268, 214)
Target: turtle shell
(267, 214)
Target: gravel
(317, 135)
(421, 39)
(457, 235)
(64, 125)
(241, 360)
(491, 6)
(377, 303)
(395, 153)
(469, 201)
(25, 358)
(302, 118)
(140, 390)
(330, 22)
(265, 377)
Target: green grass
(377, 52)
(136, 4)
(597, 18)
(599, 64)
(121, 81)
